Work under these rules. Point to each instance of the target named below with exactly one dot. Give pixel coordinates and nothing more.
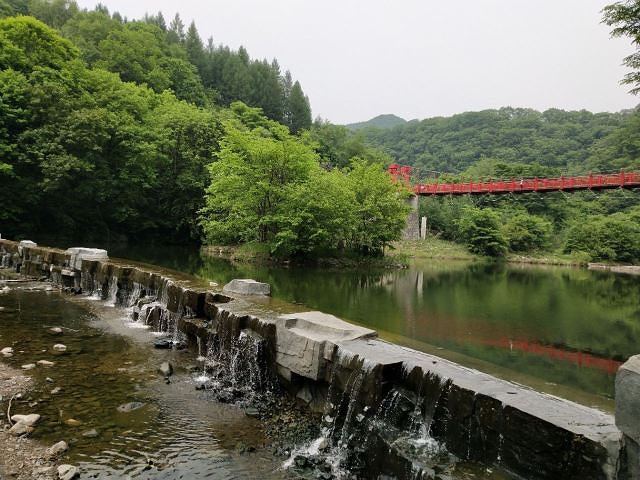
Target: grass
(431, 248)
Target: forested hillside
(571, 141)
(381, 121)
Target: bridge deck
(587, 182)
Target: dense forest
(116, 130)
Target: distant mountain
(388, 120)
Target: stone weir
(391, 407)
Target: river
(560, 330)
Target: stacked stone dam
(371, 393)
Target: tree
(298, 113)
(176, 30)
(624, 16)
(194, 47)
(480, 229)
(380, 209)
(257, 167)
(526, 232)
(54, 13)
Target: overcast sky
(357, 59)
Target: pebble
(28, 366)
(72, 422)
(28, 420)
(166, 369)
(93, 433)
(128, 407)
(67, 472)
(56, 449)
(59, 347)
(20, 429)
(55, 330)
(56, 391)
(45, 363)
(7, 352)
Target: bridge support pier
(628, 413)
(412, 230)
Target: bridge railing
(600, 181)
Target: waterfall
(112, 295)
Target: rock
(55, 330)
(305, 341)
(28, 420)
(128, 407)
(78, 254)
(252, 412)
(213, 284)
(20, 429)
(56, 449)
(58, 347)
(7, 352)
(323, 443)
(301, 461)
(72, 422)
(67, 472)
(166, 369)
(247, 286)
(93, 433)
(45, 363)
(49, 380)
(628, 398)
(28, 366)
(163, 344)
(56, 391)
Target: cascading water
(112, 295)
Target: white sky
(357, 59)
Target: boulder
(56, 449)
(628, 398)
(247, 286)
(7, 352)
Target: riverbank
(398, 255)
(22, 458)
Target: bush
(480, 228)
(526, 232)
(613, 238)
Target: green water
(560, 330)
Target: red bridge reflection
(581, 359)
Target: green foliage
(297, 110)
(481, 231)
(381, 121)
(554, 138)
(624, 16)
(268, 187)
(525, 232)
(613, 237)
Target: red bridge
(568, 184)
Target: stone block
(81, 253)
(306, 341)
(628, 398)
(247, 286)
(26, 244)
